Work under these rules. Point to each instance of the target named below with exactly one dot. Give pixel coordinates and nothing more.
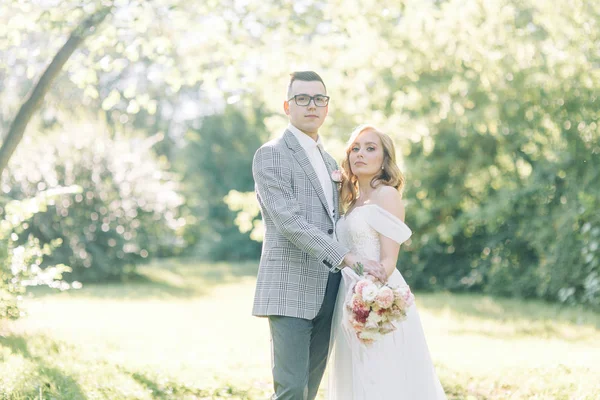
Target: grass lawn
(185, 332)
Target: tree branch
(19, 124)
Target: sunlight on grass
(185, 331)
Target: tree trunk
(18, 126)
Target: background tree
(34, 100)
(493, 106)
(126, 210)
(218, 158)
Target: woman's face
(366, 155)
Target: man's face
(307, 118)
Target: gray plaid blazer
(298, 249)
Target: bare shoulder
(390, 199)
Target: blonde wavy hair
(390, 175)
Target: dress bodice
(355, 232)
(359, 231)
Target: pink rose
(409, 298)
(361, 314)
(336, 176)
(385, 297)
(357, 301)
(360, 310)
(360, 285)
(404, 297)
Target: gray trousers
(299, 349)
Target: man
(298, 277)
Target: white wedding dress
(398, 366)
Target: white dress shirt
(317, 162)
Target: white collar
(307, 143)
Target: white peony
(374, 318)
(369, 292)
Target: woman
(397, 366)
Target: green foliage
(502, 183)
(218, 159)
(21, 260)
(126, 211)
(495, 109)
(493, 104)
(248, 213)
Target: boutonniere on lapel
(336, 176)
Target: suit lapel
(330, 168)
(303, 160)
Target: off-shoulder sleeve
(387, 224)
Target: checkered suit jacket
(298, 249)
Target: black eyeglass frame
(310, 98)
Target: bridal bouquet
(374, 307)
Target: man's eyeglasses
(304, 100)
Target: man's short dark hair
(307, 76)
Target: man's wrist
(343, 263)
(348, 260)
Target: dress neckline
(356, 208)
(386, 212)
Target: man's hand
(369, 266)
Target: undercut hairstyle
(307, 76)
